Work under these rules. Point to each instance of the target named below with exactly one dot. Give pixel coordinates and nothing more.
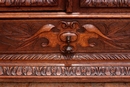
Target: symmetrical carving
(64, 71)
(68, 38)
(28, 2)
(105, 3)
(58, 56)
(19, 37)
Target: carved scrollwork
(68, 38)
(45, 31)
(93, 32)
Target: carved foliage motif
(64, 71)
(105, 3)
(28, 2)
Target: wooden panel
(28, 3)
(93, 35)
(64, 50)
(101, 6)
(105, 3)
(32, 5)
(64, 47)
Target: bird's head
(47, 27)
(90, 27)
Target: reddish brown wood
(55, 46)
(69, 6)
(101, 6)
(104, 3)
(32, 5)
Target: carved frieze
(64, 71)
(105, 3)
(28, 3)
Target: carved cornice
(58, 56)
(64, 71)
(105, 3)
(28, 2)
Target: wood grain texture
(104, 3)
(32, 5)
(64, 84)
(28, 2)
(50, 46)
(101, 6)
(86, 35)
(28, 45)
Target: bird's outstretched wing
(43, 32)
(93, 32)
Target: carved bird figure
(43, 32)
(94, 32)
(92, 29)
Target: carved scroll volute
(44, 32)
(91, 32)
(68, 38)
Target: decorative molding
(68, 38)
(64, 71)
(28, 3)
(58, 56)
(105, 3)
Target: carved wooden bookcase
(64, 40)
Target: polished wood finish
(65, 84)
(32, 5)
(101, 6)
(67, 45)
